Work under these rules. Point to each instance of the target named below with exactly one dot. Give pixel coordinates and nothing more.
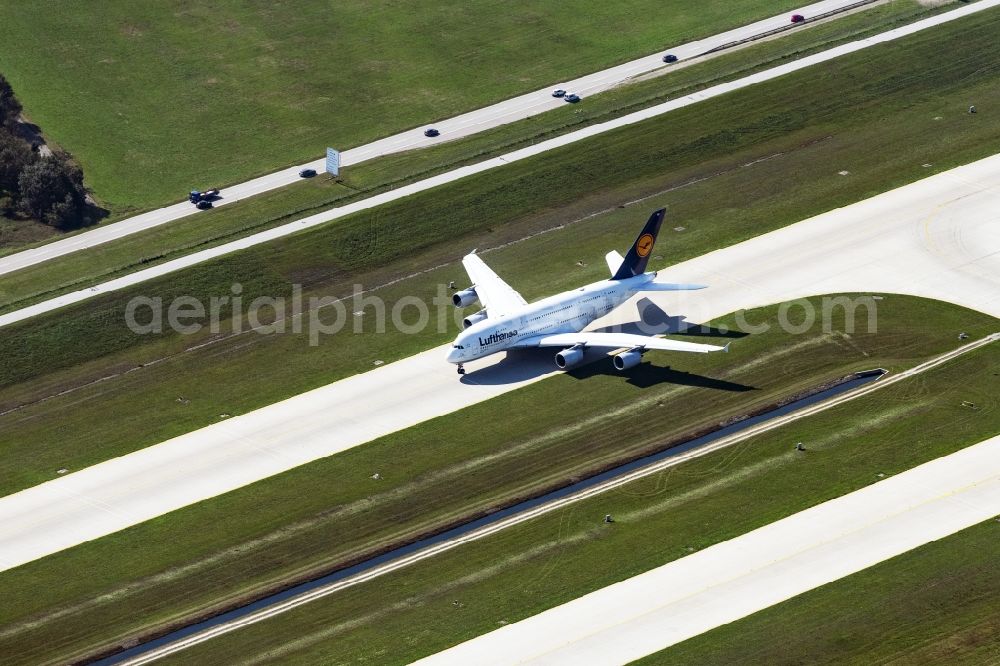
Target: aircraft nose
(452, 356)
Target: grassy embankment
(312, 517)
(191, 234)
(705, 163)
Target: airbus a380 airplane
(508, 322)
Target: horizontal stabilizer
(666, 286)
(614, 259)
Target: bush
(51, 190)
(15, 155)
(10, 108)
(62, 214)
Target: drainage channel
(139, 653)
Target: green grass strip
(310, 519)
(729, 170)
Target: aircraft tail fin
(638, 255)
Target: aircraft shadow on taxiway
(524, 364)
(654, 321)
(647, 374)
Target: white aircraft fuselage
(567, 312)
(507, 321)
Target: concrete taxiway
(507, 111)
(271, 607)
(938, 237)
(725, 582)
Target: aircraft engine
(569, 357)
(474, 319)
(465, 298)
(627, 360)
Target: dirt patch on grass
(131, 30)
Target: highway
(507, 111)
(725, 582)
(936, 237)
(497, 162)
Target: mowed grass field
(327, 513)
(933, 605)
(156, 98)
(68, 369)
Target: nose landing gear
(461, 369)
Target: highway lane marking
(554, 505)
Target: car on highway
(572, 98)
(196, 195)
(798, 18)
(670, 57)
(204, 204)
(307, 173)
(431, 132)
(559, 93)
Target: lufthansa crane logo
(644, 245)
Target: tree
(10, 108)
(15, 155)
(63, 214)
(51, 191)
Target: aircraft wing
(616, 340)
(497, 296)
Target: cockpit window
(458, 346)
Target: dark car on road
(670, 57)
(798, 18)
(196, 195)
(431, 132)
(307, 173)
(204, 204)
(559, 93)
(572, 98)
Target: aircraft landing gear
(461, 369)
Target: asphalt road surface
(510, 110)
(936, 238)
